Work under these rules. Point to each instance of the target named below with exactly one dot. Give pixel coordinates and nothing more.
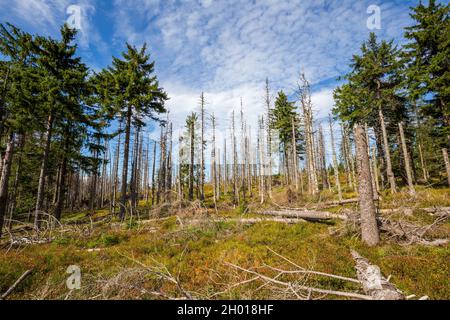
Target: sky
(223, 48)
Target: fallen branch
(18, 281)
(292, 286)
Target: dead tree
(447, 164)
(180, 169)
(269, 139)
(345, 156)
(294, 153)
(153, 173)
(322, 159)
(260, 160)
(202, 147)
(243, 155)
(116, 171)
(369, 227)
(305, 96)
(335, 163)
(406, 158)
(213, 156)
(387, 152)
(5, 173)
(373, 282)
(235, 171)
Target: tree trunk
(369, 227)
(387, 153)
(202, 148)
(4, 180)
(124, 189)
(406, 157)
(447, 164)
(153, 173)
(335, 163)
(43, 172)
(192, 161)
(373, 282)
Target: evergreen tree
(281, 121)
(130, 91)
(428, 63)
(371, 94)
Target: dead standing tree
(369, 228)
(335, 162)
(306, 103)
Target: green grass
(198, 253)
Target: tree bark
(124, 189)
(374, 284)
(406, 157)
(335, 163)
(202, 148)
(5, 173)
(387, 153)
(369, 228)
(447, 164)
(192, 161)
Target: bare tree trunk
(214, 167)
(269, 140)
(375, 170)
(124, 189)
(369, 228)
(169, 165)
(191, 165)
(260, 151)
(422, 164)
(345, 155)
(202, 147)
(4, 180)
(447, 164)
(43, 172)
(372, 171)
(406, 157)
(235, 169)
(61, 189)
(242, 165)
(153, 173)
(335, 163)
(294, 153)
(116, 172)
(387, 153)
(15, 196)
(310, 154)
(322, 159)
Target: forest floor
(193, 255)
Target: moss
(198, 255)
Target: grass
(197, 255)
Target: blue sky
(225, 48)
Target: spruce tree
(130, 91)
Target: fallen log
(373, 282)
(305, 215)
(247, 221)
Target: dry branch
(18, 281)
